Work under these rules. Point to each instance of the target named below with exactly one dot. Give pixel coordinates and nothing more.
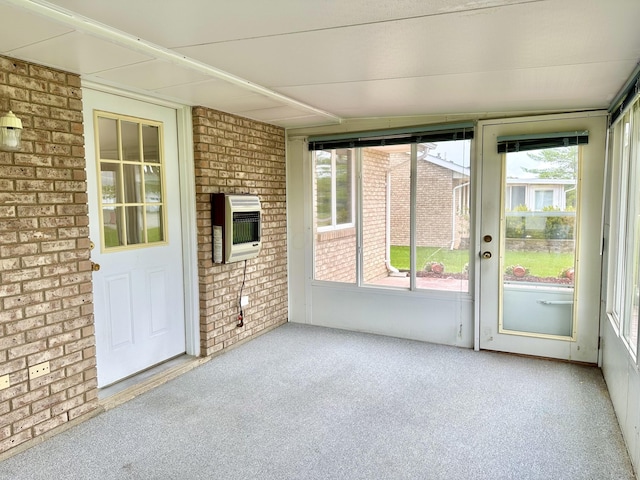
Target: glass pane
(334, 248)
(155, 225)
(151, 143)
(344, 187)
(132, 183)
(110, 178)
(386, 173)
(130, 141)
(442, 216)
(112, 226)
(152, 184)
(517, 198)
(135, 225)
(108, 138)
(543, 199)
(538, 259)
(376, 212)
(632, 148)
(616, 228)
(323, 179)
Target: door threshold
(127, 389)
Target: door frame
(187, 207)
(596, 122)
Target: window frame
(355, 229)
(631, 223)
(542, 190)
(510, 197)
(624, 239)
(334, 225)
(120, 163)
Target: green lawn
(540, 264)
(112, 239)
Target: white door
(540, 235)
(134, 212)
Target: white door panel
(138, 291)
(556, 321)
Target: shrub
(558, 227)
(434, 267)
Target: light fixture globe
(10, 132)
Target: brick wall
(433, 207)
(375, 165)
(46, 310)
(236, 155)
(400, 198)
(335, 255)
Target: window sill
(335, 234)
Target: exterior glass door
(540, 236)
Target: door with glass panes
(135, 226)
(540, 235)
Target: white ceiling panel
(195, 22)
(300, 122)
(79, 53)
(476, 92)
(276, 113)
(24, 28)
(287, 117)
(247, 103)
(152, 75)
(516, 37)
(297, 63)
(208, 93)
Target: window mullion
(334, 173)
(358, 220)
(413, 189)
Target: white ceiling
(298, 63)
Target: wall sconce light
(10, 132)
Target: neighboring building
(442, 216)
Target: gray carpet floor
(304, 402)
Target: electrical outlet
(4, 382)
(244, 301)
(39, 370)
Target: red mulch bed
(507, 278)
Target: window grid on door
(131, 181)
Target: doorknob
(95, 267)
(486, 255)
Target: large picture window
(623, 296)
(393, 214)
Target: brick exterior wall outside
(46, 309)
(433, 209)
(335, 255)
(375, 165)
(400, 198)
(237, 155)
(335, 250)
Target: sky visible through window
(519, 161)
